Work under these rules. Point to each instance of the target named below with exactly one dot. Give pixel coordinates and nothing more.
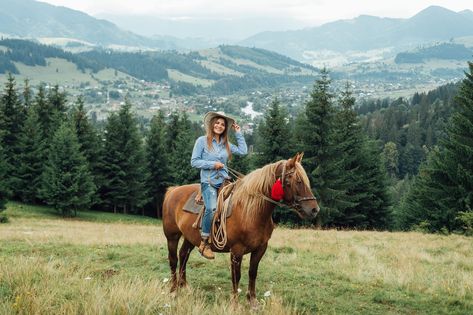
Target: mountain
(368, 33)
(225, 69)
(33, 19)
(441, 51)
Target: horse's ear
(292, 161)
(299, 157)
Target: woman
(211, 153)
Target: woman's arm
(240, 148)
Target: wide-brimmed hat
(210, 115)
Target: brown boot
(205, 250)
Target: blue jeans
(209, 194)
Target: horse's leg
(256, 256)
(184, 254)
(236, 274)
(173, 241)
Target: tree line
(53, 154)
(126, 167)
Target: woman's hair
(223, 136)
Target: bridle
(285, 176)
(295, 204)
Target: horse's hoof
(254, 304)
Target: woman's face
(219, 126)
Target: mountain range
(36, 20)
(369, 33)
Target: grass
(106, 264)
(179, 76)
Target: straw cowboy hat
(210, 115)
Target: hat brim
(210, 115)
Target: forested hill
(448, 51)
(224, 69)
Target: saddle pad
(191, 205)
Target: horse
(250, 225)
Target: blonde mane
(260, 181)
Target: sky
(308, 12)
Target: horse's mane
(260, 181)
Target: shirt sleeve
(240, 148)
(196, 160)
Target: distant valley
(379, 57)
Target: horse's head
(297, 191)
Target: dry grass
(57, 266)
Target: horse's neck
(264, 216)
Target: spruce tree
(181, 150)
(45, 112)
(347, 140)
(31, 158)
(444, 186)
(158, 161)
(321, 156)
(90, 142)
(12, 121)
(274, 136)
(374, 200)
(66, 181)
(124, 168)
(4, 186)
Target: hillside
(444, 51)
(51, 265)
(35, 20)
(224, 69)
(366, 33)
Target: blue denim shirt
(205, 158)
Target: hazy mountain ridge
(369, 32)
(32, 19)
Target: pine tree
(347, 140)
(32, 154)
(13, 118)
(181, 150)
(444, 186)
(90, 142)
(374, 201)
(4, 186)
(158, 161)
(124, 168)
(66, 181)
(45, 112)
(321, 154)
(273, 136)
(390, 158)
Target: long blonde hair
(223, 136)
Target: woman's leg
(209, 195)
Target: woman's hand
(236, 127)
(218, 165)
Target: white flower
(167, 305)
(239, 290)
(87, 278)
(267, 294)
(165, 280)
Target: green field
(101, 263)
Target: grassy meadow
(100, 263)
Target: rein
(293, 206)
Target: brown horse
(248, 228)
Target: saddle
(195, 204)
